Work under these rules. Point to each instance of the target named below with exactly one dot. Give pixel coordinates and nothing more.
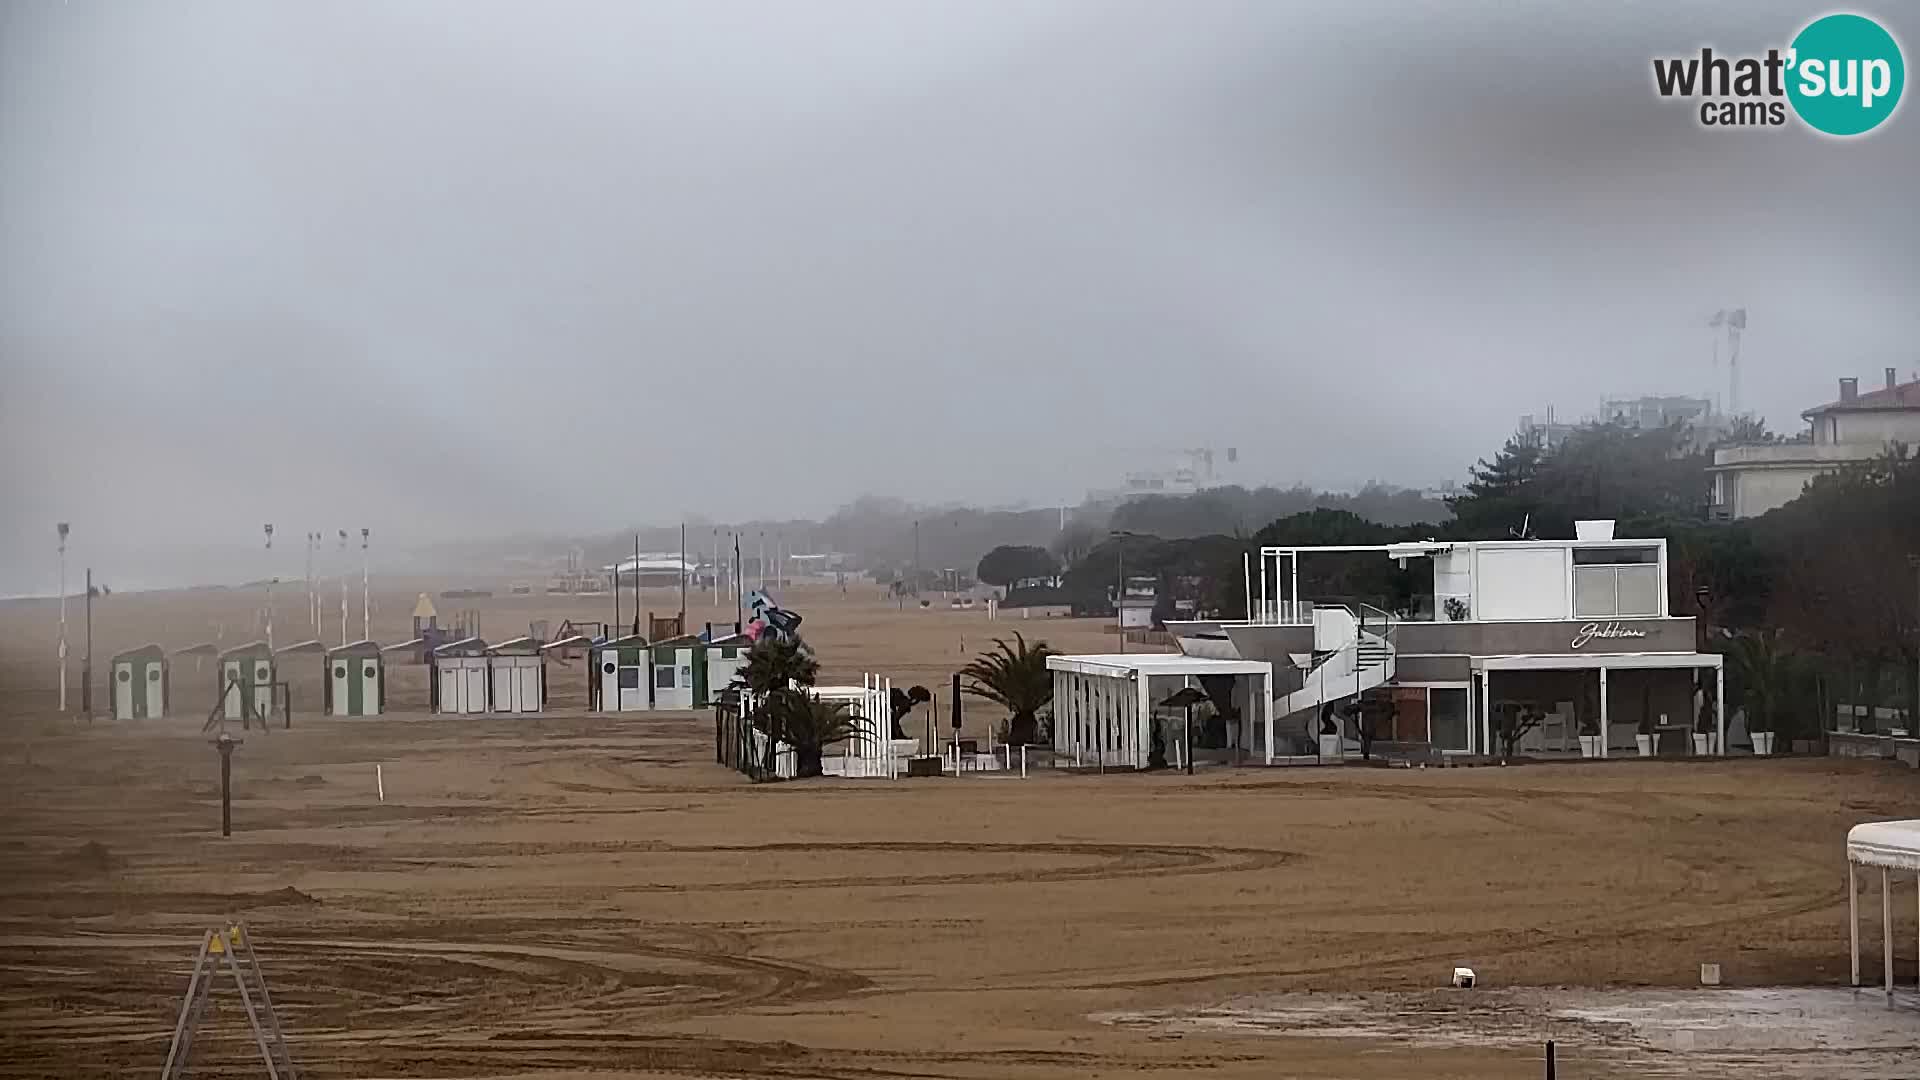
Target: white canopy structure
(1891, 846)
(1103, 705)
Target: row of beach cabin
(466, 677)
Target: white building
(1750, 480)
(1576, 631)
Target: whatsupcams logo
(1841, 75)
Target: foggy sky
(469, 267)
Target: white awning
(1611, 661)
(1894, 844)
(1119, 665)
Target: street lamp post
(343, 586)
(1120, 590)
(366, 590)
(269, 589)
(86, 658)
(61, 528)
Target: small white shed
(247, 675)
(725, 657)
(622, 665)
(679, 672)
(460, 677)
(518, 672)
(355, 683)
(140, 680)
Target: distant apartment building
(1647, 411)
(1750, 480)
(1549, 432)
(1663, 410)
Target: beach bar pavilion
(1104, 705)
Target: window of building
(629, 678)
(663, 678)
(1616, 591)
(1614, 556)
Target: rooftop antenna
(1525, 531)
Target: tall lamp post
(86, 658)
(1120, 585)
(61, 528)
(269, 589)
(366, 590)
(343, 586)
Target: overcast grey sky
(444, 267)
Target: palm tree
(1015, 677)
(809, 725)
(774, 664)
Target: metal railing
(1376, 621)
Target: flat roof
(1893, 844)
(1116, 664)
(1594, 661)
(1417, 548)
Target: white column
(1096, 719)
(1604, 733)
(1487, 713)
(1059, 704)
(1295, 561)
(1080, 715)
(1263, 587)
(1265, 698)
(1109, 714)
(1853, 920)
(1246, 567)
(1144, 720)
(1886, 926)
(1486, 716)
(1720, 709)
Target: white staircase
(1361, 664)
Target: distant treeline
(879, 533)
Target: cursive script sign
(1605, 630)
